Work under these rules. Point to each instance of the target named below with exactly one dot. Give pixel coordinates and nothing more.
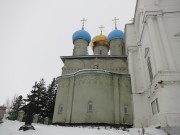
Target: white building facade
(153, 49)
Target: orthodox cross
(83, 21)
(115, 22)
(101, 27)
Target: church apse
(107, 91)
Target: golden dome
(99, 40)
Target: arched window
(125, 109)
(90, 106)
(60, 110)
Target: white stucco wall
(171, 23)
(98, 89)
(156, 27)
(108, 93)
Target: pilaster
(70, 101)
(131, 65)
(143, 73)
(166, 44)
(116, 100)
(154, 46)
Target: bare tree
(10, 102)
(7, 104)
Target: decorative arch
(75, 64)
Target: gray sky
(34, 33)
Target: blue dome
(81, 34)
(115, 34)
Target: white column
(158, 64)
(131, 70)
(138, 111)
(166, 44)
(143, 73)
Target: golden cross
(83, 21)
(101, 27)
(115, 22)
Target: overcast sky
(34, 33)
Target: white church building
(153, 48)
(137, 83)
(95, 89)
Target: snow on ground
(11, 128)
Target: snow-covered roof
(84, 71)
(93, 57)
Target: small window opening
(150, 69)
(155, 106)
(125, 109)
(100, 52)
(60, 111)
(90, 106)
